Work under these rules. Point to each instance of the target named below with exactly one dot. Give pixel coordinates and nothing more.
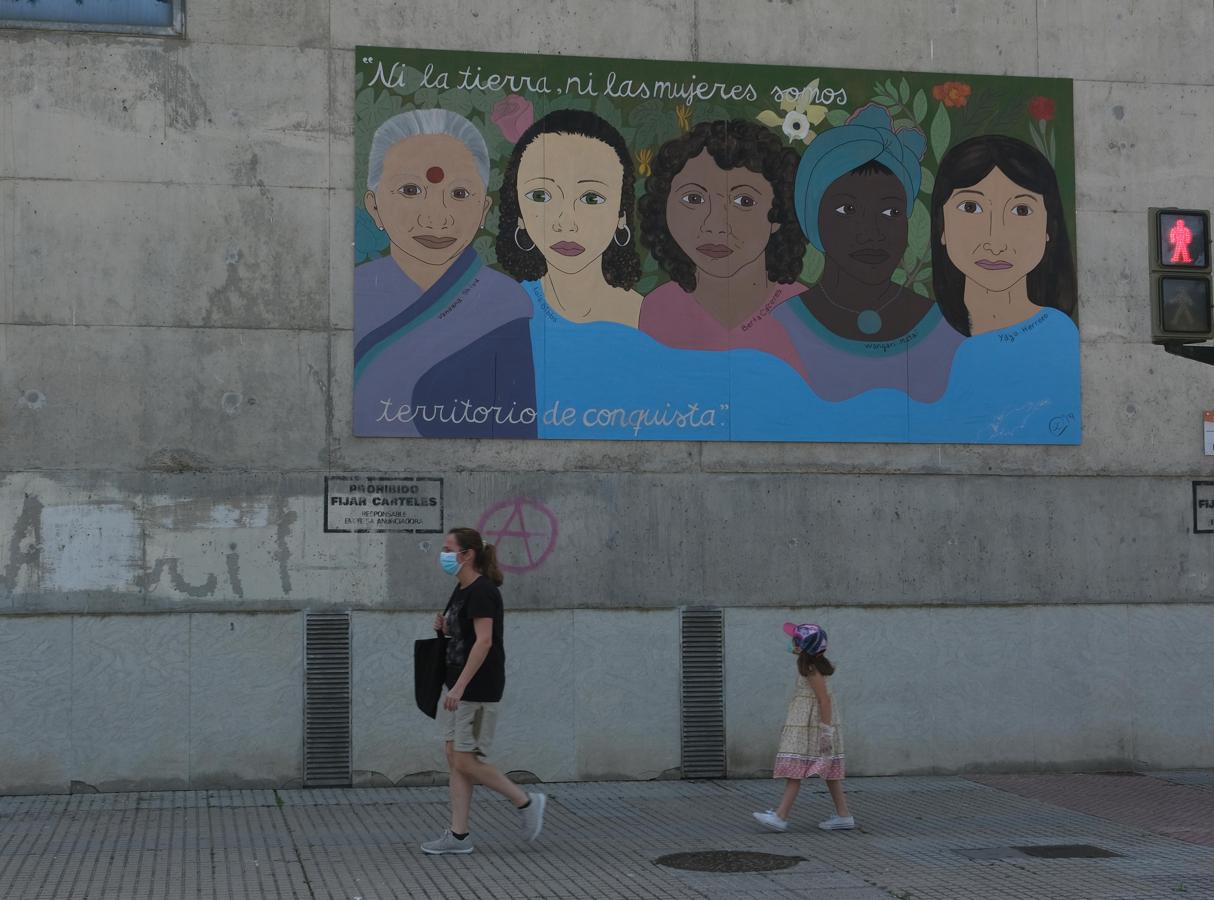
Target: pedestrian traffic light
(1180, 276)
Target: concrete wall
(175, 311)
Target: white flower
(796, 126)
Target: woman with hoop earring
(566, 219)
(566, 232)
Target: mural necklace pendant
(868, 321)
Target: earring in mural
(616, 236)
(517, 229)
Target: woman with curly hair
(566, 232)
(718, 217)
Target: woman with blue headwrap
(858, 330)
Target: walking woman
(476, 678)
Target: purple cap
(807, 638)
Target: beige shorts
(470, 726)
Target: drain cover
(1067, 851)
(1041, 851)
(728, 861)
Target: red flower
(513, 115)
(1041, 109)
(952, 93)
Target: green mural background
(947, 108)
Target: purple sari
(451, 361)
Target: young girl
(811, 742)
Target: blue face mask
(449, 560)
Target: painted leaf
(815, 114)
(941, 132)
(837, 117)
(1037, 141)
(900, 124)
(928, 182)
(920, 108)
(918, 232)
(811, 267)
(904, 91)
(608, 111)
(646, 284)
(486, 248)
(899, 276)
(457, 101)
(807, 96)
(653, 124)
(426, 98)
(770, 119)
(369, 241)
(1053, 148)
(882, 100)
(890, 89)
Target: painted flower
(796, 126)
(644, 158)
(952, 93)
(799, 114)
(683, 113)
(1042, 109)
(512, 115)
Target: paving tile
(602, 840)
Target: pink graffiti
(523, 530)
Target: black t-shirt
(479, 600)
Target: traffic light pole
(1188, 351)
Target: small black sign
(360, 504)
(1203, 507)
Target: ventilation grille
(703, 694)
(327, 700)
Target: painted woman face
(863, 224)
(430, 200)
(995, 231)
(719, 217)
(569, 198)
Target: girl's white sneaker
(838, 823)
(771, 821)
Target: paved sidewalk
(601, 841)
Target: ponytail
(484, 554)
(488, 558)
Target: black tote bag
(429, 673)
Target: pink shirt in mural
(671, 315)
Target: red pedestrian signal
(1181, 310)
(1182, 238)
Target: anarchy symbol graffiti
(523, 530)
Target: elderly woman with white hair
(442, 345)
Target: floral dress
(800, 754)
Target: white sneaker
(838, 823)
(448, 843)
(533, 816)
(771, 821)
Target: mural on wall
(563, 247)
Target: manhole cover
(1068, 851)
(728, 861)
